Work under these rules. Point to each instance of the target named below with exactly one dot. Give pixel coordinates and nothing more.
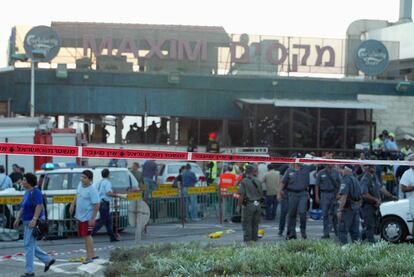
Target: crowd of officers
(343, 196)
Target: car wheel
(393, 229)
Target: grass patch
(293, 258)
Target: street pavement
(66, 251)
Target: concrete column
(66, 121)
(173, 130)
(226, 139)
(118, 129)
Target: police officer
(327, 183)
(296, 182)
(251, 194)
(371, 195)
(349, 203)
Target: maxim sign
(177, 49)
(272, 52)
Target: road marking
(57, 268)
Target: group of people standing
(342, 196)
(90, 199)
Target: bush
(293, 258)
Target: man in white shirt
(87, 207)
(407, 186)
(5, 181)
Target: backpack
(355, 190)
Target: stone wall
(399, 112)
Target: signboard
(42, 43)
(10, 199)
(372, 57)
(63, 198)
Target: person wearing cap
(328, 181)
(296, 182)
(389, 143)
(407, 186)
(349, 203)
(371, 195)
(212, 145)
(251, 195)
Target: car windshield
(121, 179)
(59, 181)
(174, 169)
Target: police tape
(116, 153)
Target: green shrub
(293, 258)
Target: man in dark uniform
(327, 183)
(371, 195)
(251, 194)
(296, 182)
(349, 203)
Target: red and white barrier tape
(9, 257)
(96, 152)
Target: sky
(306, 18)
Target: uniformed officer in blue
(349, 203)
(296, 182)
(251, 195)
(328, 181)
(371, 195)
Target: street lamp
(37, 55)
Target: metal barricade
(167, 205)
(61, 222)
(164, 206)
(9, 208)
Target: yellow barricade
(10, 199)
(63, 198)
(134, 196)
(232, 189)
(165, 186)
(388, 178)
(202, 190)
(164, 193)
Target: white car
(64, 182)
(167, 172)
(396, 221)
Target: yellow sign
(11, 199)
(232, 189)
(165, 186)
(63, 198)
(388, 178)
(164, 193)
(202, 190)
(134, 196)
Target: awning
(331, 104)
